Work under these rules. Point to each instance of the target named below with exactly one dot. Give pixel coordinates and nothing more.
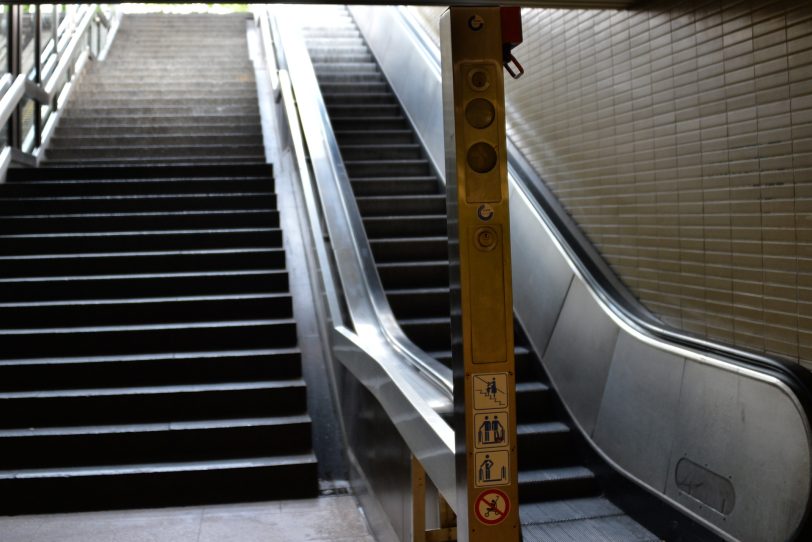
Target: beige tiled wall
(678, 135)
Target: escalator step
(389, 205)
(556, 483)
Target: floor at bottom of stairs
(334, 518)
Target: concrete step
(158, 484)
(155, 151)
(90, 141)
(158, 369)
(177, 129)
(153, 261)
(129, 241)
(51, 285)
(196, 109)
(112, 222)
(144, 339)
(137, 203)
(155, 442)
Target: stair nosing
(155, 468)
(129, 428)
(154, 390)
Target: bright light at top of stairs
(214, 9)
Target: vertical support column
(418, 501)
(15, 67)
(480, 276)
(38, 75)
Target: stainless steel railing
(32, 99)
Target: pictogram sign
(493, 468)
(492, 507)
(490, 391)
(491, 430)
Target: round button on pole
(480, 113)
(478, 79)
(486, 238)
(481, 157)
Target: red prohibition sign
(492, 507)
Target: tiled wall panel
(678, 134)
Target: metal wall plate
(580, 353)
(639, 433)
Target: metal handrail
(371, 305)
(370, 345)
(65, 55)
(12, 97)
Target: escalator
(402, 203)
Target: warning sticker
(490, 430)
(492, 468)
(490, 391)
(492, 507)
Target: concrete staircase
(149, 353)
(173, 90)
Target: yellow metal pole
(479, 250)
(418, 501)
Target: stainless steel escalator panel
(742, 429)
(545, 280)
(641, 440)
(582, 339)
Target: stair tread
(144, 300)
(431, 320)
(125, 214)
(222, 251)
(151, 357)
(555, 474)
(411, 239)
(553, 427)
(144, 468)
(155, 390)
(197, 274)
(138, 233)
(152, 427)
(397, 218)
(138, 196)
(142, 327)
(413, 291)
(531, 386)
(417, 263)
(402, 197)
